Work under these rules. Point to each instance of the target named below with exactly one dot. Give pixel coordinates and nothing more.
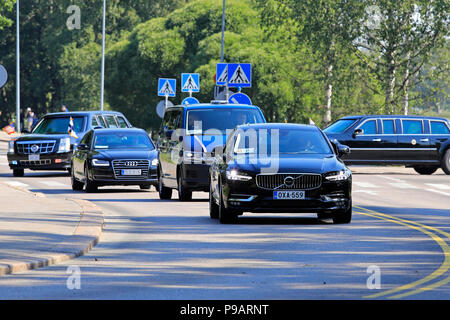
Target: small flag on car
(70, 129)
(311, 122)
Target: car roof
(113, 130)
(291, 126)
(214, 106)
(81, 113)
(391, 116)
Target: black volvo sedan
(280, 168)
(114, 157)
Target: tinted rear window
(412, 127)
(438, 127)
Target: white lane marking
(365, 185)
(438, 186)
(53, 183)
(392, 179)
(373, 193)
(16, 184)
(403, 186)
(440, 192)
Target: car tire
(18, 172)
(89, 185)
(76, 185)
(446, 162)
(145, 186)
(344, 216)
(425, 170)
(184, 194)
(225, 215)
(164, 192)
(213, 207)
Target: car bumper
(106, 177)
(57, 161)
(328, 199)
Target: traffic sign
(190, 82)
(240, 75)
(190, 100)
(167, 87)
(161, 107)
(3, 76)
(240, 98)
(222, 74)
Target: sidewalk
(36, 231)
(5, 137)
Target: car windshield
(208, 121)
(58, 125)
(281, 141)
(122, 140)
(339, 126)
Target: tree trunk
(406, 85)
(390, 85)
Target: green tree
(5, 6)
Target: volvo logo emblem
(131, 163)
(289, 181)
(34, 148)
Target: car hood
(287, 163)
(40, 137)
(126, 154)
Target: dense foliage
(318, 59)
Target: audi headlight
(235, 175)
(155, 162)
(338, 175)
(64, 145)
(11, 146)
(100, 163)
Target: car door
(413, 143)
(439, 133)
(80, 155)
(365, 146)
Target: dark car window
(87, 139)
(282, 141)
(59, 125)
(220, 119)
(412, 126)
(111, 121)
(388, 127)
(102, 122)
(340, 126)
(369, 127)
(94, 122)
(122, 140)
(122, 122)
(438, 127)
(170, 119)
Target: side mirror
(357, 132)
(342, 150)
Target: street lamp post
(223, 32)
(102, 84)
(17, 69)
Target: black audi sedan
(114, 157)
(280, 168)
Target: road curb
(85, 236)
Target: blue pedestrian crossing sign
(240, 75)
(190, 82)
(189, 100)
(167, 87)
(222, 74)
(240, 98)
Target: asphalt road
(152, 249)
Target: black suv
(50, 146)
(422, 143)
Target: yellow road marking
(422, 228)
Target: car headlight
(338, 175)
(100, 163)
(11, 146)
(235, 175)
(64, 145)
(155, 162)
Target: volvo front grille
(286, 181)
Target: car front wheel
(184, 194)
(213, 207)
(425, 170)
(76, 185)
(225, 216)
(343, 217)
(18, 172)
(164, 192)
(89, 185)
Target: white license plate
(34, 157)
(288, 195)
(131, 172)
